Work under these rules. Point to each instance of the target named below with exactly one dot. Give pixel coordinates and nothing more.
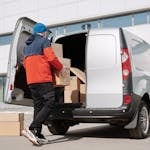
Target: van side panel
(140, 59)
(104, 70)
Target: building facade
(64, 16)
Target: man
(39, 59)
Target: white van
(117, 67)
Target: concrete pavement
(80, 137)
(15, 108)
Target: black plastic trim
(74, 112)
(123, 112)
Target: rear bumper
(125, 113)
(103, 115)
(122, 114)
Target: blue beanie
(39, 28)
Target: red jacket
(39, 66)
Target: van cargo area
(74, 49)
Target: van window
(101, 51)
(141, 53)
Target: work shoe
(42, 139)
(31, 135)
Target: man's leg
(32, 132)
(48, 93)
(38, 103)
(59, 95)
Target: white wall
(4, 54)
(53, 12)
(60, 11)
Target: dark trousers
(43, 95)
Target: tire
(143, 122)
(58, 127)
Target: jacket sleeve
(52, 58)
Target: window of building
(74, 27)
(2, 85)
(140, 18)
(90, 25)
(57, 30)
(53, 32)
(94, 24)
(121, 21)
(82, 26)
(61, 30)
(5, 39)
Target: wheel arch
(133, 123)
(141, 129)
(146, 99)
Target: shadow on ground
(102, 131)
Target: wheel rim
(144, 120)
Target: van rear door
(22, 31)
(104, 70)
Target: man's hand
(64, 71)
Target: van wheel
(142, 128)
(58, 127)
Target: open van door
(23, 30)
(104, 73)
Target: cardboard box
(11, 117)
(10, 128)
(71, 93)
(63, 80)
(79, 73)
(82, 93)
(71, 96)
(11, 124)
(58, 49)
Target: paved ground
(15, 108)
(80, 137)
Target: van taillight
(11, 87)
(126, 66)
(126, 99)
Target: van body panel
(104, 71)
(139, 55)
(21, 33)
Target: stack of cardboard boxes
(71, 93)
(11, 124)
(61, 80)
(74, 85)
(77, 87)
